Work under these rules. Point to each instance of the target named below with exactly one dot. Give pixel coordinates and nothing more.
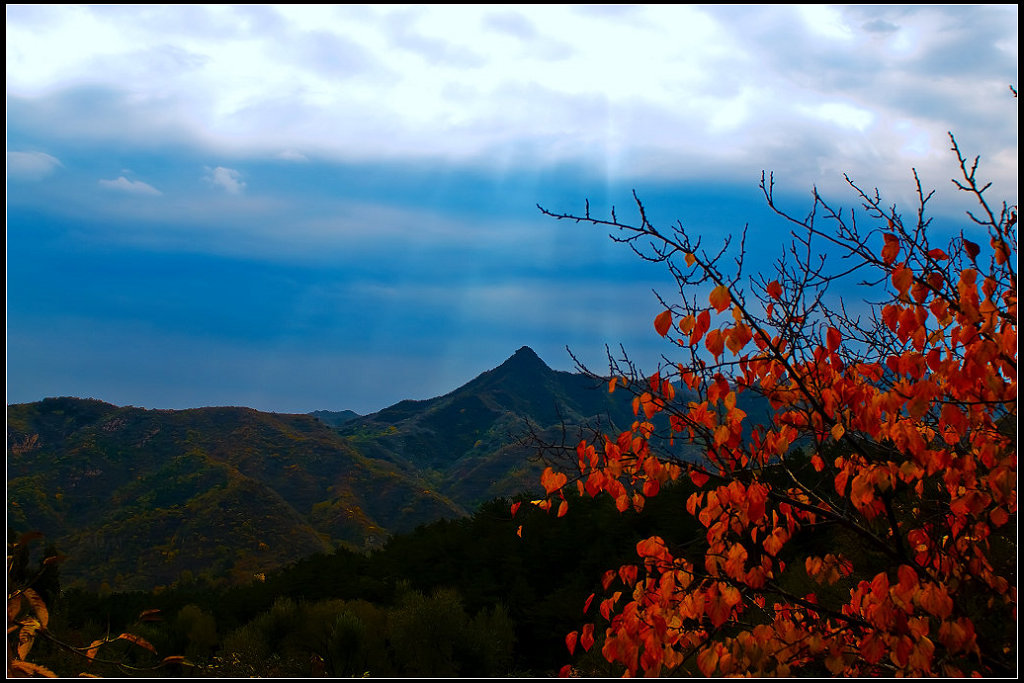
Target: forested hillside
(136, 497)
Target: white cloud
(841, 114)
(30, 165)
(228, 179)
(720, 88)
(122, 184)
(292, 155)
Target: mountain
(469, 443)
(135, 497)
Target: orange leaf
(552, 481)
(173, 659)
(698, 478)
(737, 338)
(707, 661)
(891, 248)
(902, 278)
(563, 508)
(27, 637)
(720, 298)
(690, 259)
(38, 606)
(30, 669)
(774, 289)
(663, 323)
(719, 610)
(94, 648)
(138, 640)
(715, 342)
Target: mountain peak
(524, 359)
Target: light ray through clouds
(328, 207)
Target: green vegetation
(464, 597)
(136, 497)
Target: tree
(868, 526)
(28, 619)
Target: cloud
(512, 23)
(292, 155)
(30, 165)
(651, 91)
(228, 179)
(122, 184)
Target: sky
(328, 208)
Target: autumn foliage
(28, 621)
(867, 526)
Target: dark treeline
(466, 597)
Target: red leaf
(833, 338)
(972, 249)
(698, 478)
(570, 641)
(587, 637)
(702, 325)
(774, 289)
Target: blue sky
(310, 208)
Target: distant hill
(334, 418)
(135, 497)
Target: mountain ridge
(137, 496)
